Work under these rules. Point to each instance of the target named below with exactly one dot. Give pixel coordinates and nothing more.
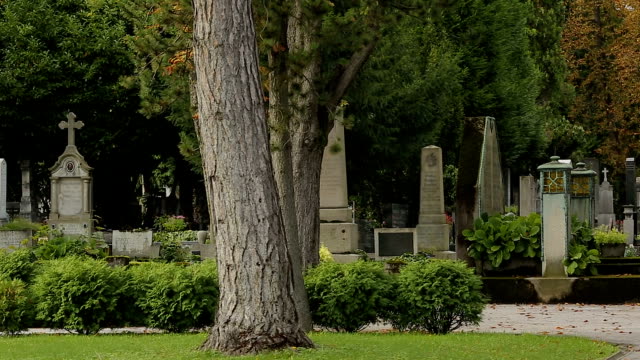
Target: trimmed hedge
(176, 298)
(437, 296)
(79, 294)
(347, 297)
(15, 306)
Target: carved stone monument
(432, 229)
(338, 232)
(605, 214)
(28, 208)
(4, 217)
(71, 187)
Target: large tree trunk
(257, 309)
(280, 141)
(307, 135)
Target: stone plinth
(134, 244)
(11, 240)
(336, 215)
(628, 225)
(339, 237)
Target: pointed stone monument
(71, 187)
(338, 232)
(606, 216)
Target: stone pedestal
(604, 209)
(339, 237)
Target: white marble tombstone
(71, 187)
(4, 217)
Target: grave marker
(606, 216)
(71, 187)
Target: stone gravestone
(71, 187)
(480, 188)
(594, 164)
(605, 214)
(338, 232)
(630, 199)
(432, 229)
(4, 217)
(27, 206)
(528, 195)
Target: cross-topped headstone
(71, 125)
(605, 171)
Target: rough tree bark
(257, 309)
(280, 140)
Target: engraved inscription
(70, 196)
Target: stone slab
(433, 237)
(431, 186)
(392, 242)
(346, 258)
(339, 237)
(336, 215)
(134, 244)
(447, 255)
(4, 217)
(207, 251)
(15, 239)
(71, 228)
(528, 195)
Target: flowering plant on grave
(170, 223)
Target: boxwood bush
(437, 296)
(347, 297)
(79, 294)
(174, 297)
(15, 306)
(18, 264)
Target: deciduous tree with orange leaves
(602, 48)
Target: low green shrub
(170, 223)
(18, 264)
(15, 306)
(438, 296)
(583, 252)
(78, 294)
(499, 237)
(59, 247)
(176, 298)
(20, 224)
(602, 235)
(347, 297)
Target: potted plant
(612, 242)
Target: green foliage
(15, 306)
(347, 297)
(583, 254)
(499, 237)
(437, 296)
(78, 294)
(58, 247)
(18, 264)
(170, 223)
(603, 235)
(325, 254)
(20, 224)
(172, 251)
(176, 298)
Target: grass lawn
(369, 346)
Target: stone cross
(71, 125)
(605, 171)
